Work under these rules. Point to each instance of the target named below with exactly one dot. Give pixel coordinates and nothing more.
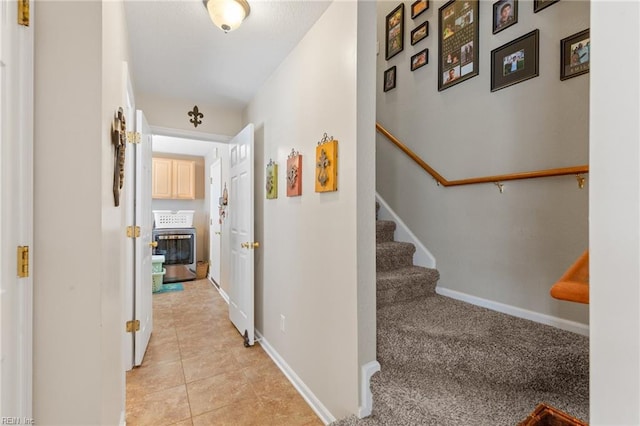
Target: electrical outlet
(282, 323)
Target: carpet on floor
(448, 363)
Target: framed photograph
(389, 79)
(420, 32)
(515, 61)
(505, 14)
(395, 31)
(418, 7)
(538, 5)
(420, 59)
(457, 42)
(574, 55)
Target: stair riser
(394, 260)
(384, 235)
(405, 293)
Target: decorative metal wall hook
(197, 115)
(580, 180)
(325, 139)
(293, 153)
(500, 186)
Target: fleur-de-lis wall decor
(271, 185)
(327, 164)
(197, 116)
(294, 174)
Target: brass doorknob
(248, 245)
(153, 244)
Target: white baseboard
(366, 397)
(315, 404)
(224, 295)
(422, 256)
(572, 326)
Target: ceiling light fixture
(227, 14)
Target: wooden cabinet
(173, 179)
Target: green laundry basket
(157, 280)
(157, 260)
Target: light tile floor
(196, 370)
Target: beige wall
(508, 248)
(173, 114)
(615, 218)
(309, 268)
(78, 377)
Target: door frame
(213, 205)
(16, 202)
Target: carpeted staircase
(397, 278)
(449, 363)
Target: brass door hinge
(133, 326)
(23, 12)
(133, 232)
(133, 137)
(23, 261)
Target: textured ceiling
(178, 53)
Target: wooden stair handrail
(575, 170)
(573, 286)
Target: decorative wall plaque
(294, 174)
(119, 141)
(327, 164)
(271, 180)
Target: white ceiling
(178, 53)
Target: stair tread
(394, 245)
(399, 277)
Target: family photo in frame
(505, 14)
(515, 61)
(457, 42)
(574, 55)
(394, 32)
(389, 81)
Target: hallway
(196, 370)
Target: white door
(16, 212)
(143, 249)
(129, 206)
(240, 211)
(215, 192)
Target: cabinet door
(184, 179)
(161, 178)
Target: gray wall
(511, 247)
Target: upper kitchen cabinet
(174, 179)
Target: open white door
(143, 248)
(240, 211)
(16, 214)
(215, 192)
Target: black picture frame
(420, 59)
(538, 5)
(389, 81)
(502, 23)
(516, 61)
(575, 55)
(458, 41)
(394, 32)
(419, 32)
(418, 8)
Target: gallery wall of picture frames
(458, 47)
